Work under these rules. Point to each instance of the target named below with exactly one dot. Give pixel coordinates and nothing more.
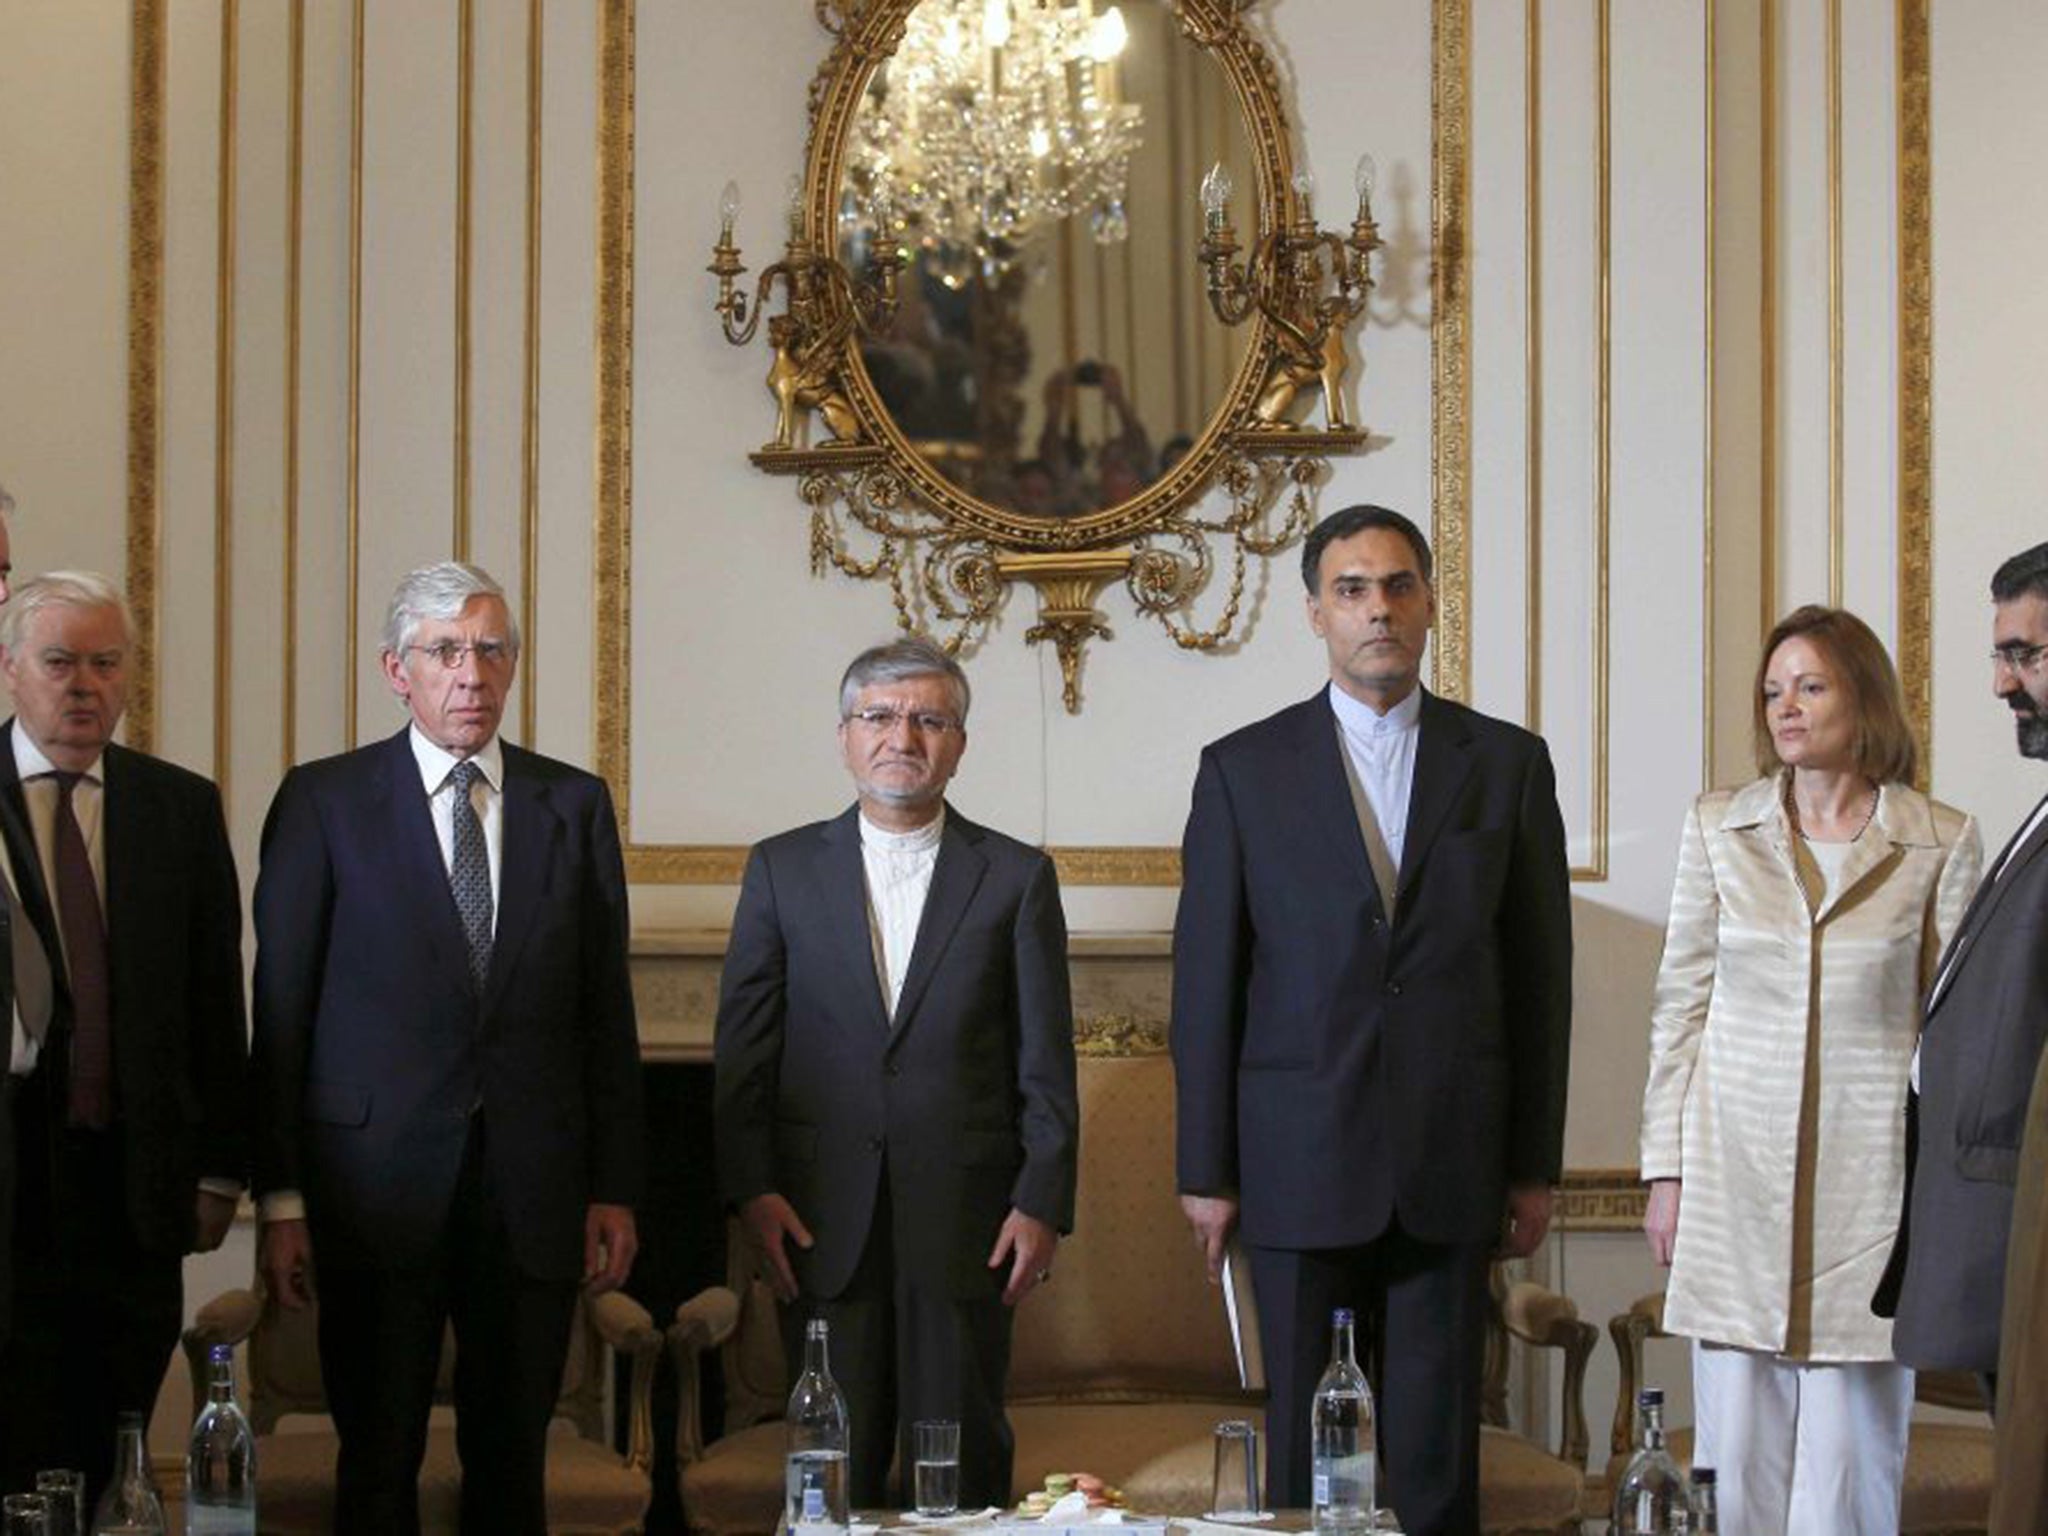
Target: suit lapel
(526, 842)
(955, 878)
(1321, 751)
(1442, 762)
(22, 854)
(1990, 892)
(844, 890)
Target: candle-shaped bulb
(1106, 41)
(793, 202)
(1365, 178)
(728, 209)
(995, 23)
(1304, 184)
(1216, 191)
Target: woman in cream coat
(1810, 909)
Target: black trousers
(380, 1348)
(95, 1315)
(904, 1348)
(1421, 1310)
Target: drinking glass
(65, 1489)
(1235, 1492)
(937, 1481)
(27, 1514)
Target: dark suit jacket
(1979, 1046)
(968, 1100)
(2019, 1482)
(371, 1051)
(1334, 1070)
(174, 956)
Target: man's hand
(769, 1218)
(285, 1259)
(610, 1240)
(210, 1226)
(1214, 1218)
(1660, 1219)
(1027, 1244)
(1528, 1218)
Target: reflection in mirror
(1053, 353)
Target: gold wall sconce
(903, 388)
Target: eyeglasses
(2020, 658)
(927, 722)
(450, 654)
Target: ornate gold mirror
(1014, 343)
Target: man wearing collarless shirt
(1371, 1021)
(1985, 1026)
(127, 1055)
(446, 1068)
(896, 1116)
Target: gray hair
(440, 591)
(71, 589)
(916, 656)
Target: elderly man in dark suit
(896, 1112)
(1986, 1021)
(1371, 1020)
(446, 1068)
(127, 1055)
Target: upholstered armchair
(1948, 1466)
(1124, 1364)
(1526, 1488)
(592, 1490)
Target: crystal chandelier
(994, 120)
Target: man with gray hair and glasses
(895, 1102)
(126, 1070)
(446, 1067)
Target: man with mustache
(1371, 1020)
(896, 1116)
(1985, 1022)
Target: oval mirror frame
(869, 32)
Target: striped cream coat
(1779, 1050)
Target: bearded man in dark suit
(1980, 1042)
(1371, 1021)
(446, 1068)
(896, 1113)
(128, 1045)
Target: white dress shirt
(487, 795)
(899, 869)
(1382, 750)
(39, 791)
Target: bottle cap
(1703, 1476)
(1651, 1397)
(1342, 1317)
(816, 1328)
(221, 1352)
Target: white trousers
(1800, 1449)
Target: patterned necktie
(85, 953)
(469, 873)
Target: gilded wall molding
(724, 863)
(146, 21)
(1600, 1200)
(1450, 341)
(1916, 380)
(612, 563)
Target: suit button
(874, 1143)
(1393, 989)
(892, 1070)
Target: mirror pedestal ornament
(882, 505)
